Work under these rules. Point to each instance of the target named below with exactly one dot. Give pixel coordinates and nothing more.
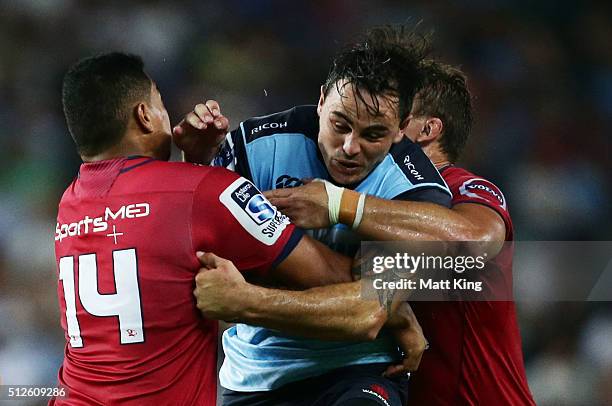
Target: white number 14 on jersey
(125, 303)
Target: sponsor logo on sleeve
(253, 211)
(411, 168)
(482, 189)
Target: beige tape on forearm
(348, 207)
(343, 205)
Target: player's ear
(433, 128)
(321, 100)
(144, 118)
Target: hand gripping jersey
(278, 151)
(475, 355)
(126, 236)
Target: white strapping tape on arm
(334, 197)
(359, 213)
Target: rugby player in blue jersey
(476, 345)
(353, 140)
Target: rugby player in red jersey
(128, 228)
(475, 354)
(475, 345)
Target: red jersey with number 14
(125, 241)
(475, 355)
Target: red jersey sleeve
(469, 188)
(232, 219)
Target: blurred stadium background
(541, 73)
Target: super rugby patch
(253, 211)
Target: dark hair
(98, 94)
(384, 62)
(444, 94)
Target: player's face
(352, 140)
(161, 137)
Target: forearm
(335, 312)
(476, 228)
(385, 220)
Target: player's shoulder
(297, 120)
(180, 176)
(415, 164)
(469, 186)
(453, 175)
(171, 169)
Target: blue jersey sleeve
(427, 183)
(432, 195)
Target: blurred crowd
(541, 74)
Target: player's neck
(124, 149)
(441, 163)
(435, 155)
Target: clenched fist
(220, 287)
(200, 134)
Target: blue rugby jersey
(277, 151)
